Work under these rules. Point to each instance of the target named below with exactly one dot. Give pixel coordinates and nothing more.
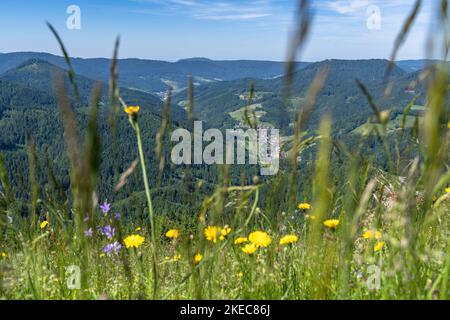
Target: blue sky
(217, 29)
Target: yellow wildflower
(225, 231)
(132, 110)
(134, 241)
(211, 233)
(289, 239)
(369, 234)
(260, 239)
(304, 206)
(384, 116)
(240, 274)
(447, 190)
(43, 224)
(138, 229)
(378, 246)
(176, 257)
(173, 233)
(332, 223)
(241, 240)
(198, 257)
(102, 255)
(3, 254)
(249, 248)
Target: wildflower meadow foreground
(350, 214)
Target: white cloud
(216, 9)
(236, 16)
(186, 2)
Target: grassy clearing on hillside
(394, 125)
(239, 115)
(417, 108)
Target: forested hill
(15, 95)
(28, 108)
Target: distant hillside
(415, 65)
(28, 106)
(153, 75)
(39, 74)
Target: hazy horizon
(210, 59)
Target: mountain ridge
(154, 75)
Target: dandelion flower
(289, 239)
(260, 239)
(304, 206)
(3, 254)
(240, 240)
(132, 110)
(134, 241)
(369, 234)
(211, 233)
(173, 233)
(378, 246)
(332, 223)
(198, 257)
(249, 248)
(447, 190)
(43, 224)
